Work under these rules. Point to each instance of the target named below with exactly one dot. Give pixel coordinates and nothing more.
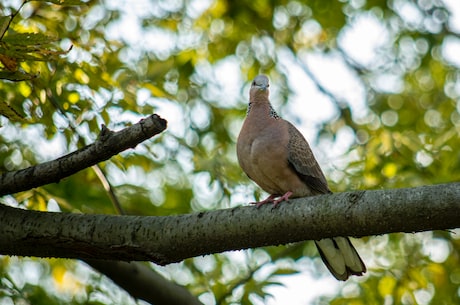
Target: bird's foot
(285, 197)
(271, 199)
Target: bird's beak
(263, 87)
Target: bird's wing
(302, 160)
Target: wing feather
(302, 160)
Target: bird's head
(259, 88)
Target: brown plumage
(275, 155)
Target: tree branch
(108, 144)
(169, 239)
(144, 283)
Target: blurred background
(373, 85)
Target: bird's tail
(340, 257)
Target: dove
(276, 156)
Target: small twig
(11, 19)
(108, 188)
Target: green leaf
(4, 23)
(285, 271)
(16, 76)
(9, 112)
(27, 39)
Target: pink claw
(285, 197)
(271, 199)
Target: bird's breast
(262, 152)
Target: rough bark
(171, 239)
(108, 144)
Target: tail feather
(340, 257)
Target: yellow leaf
(386, 286)
(81, 76)
(74, 97)
(386, 143)
(58, 275)
(218, 9)
(65, 281)
(155, 90)
(370, 180)
(40, 204)
(389, 170)
(438, 274)
(24, 89)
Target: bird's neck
(264, 107)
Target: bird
(276, 156)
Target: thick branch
(144, 283)
(107, 145)
(170, 239)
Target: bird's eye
(253, 83)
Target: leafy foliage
(69, 66)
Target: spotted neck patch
(273, 113)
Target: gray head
(259, 89)
(261, 82)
